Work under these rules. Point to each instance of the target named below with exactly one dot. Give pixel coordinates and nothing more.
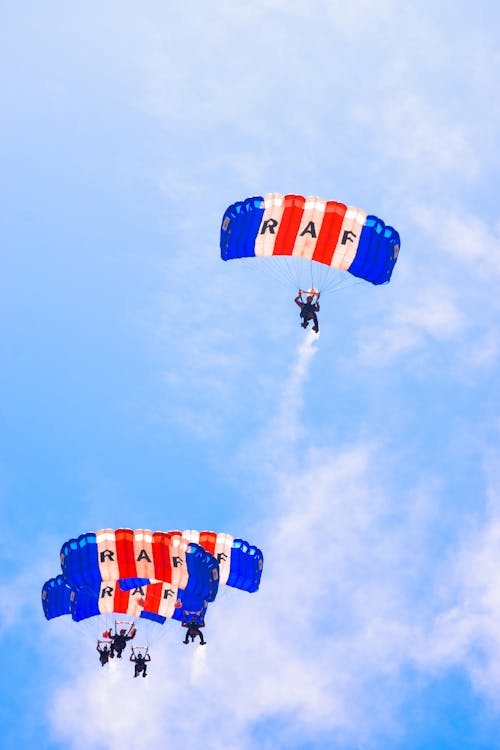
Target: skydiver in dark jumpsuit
(140, 663)
(104, 653)
(193, 630)
(308, 310)
(119, 641)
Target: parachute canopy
(149, 575)
(156, 601)
(240, 563)
(327, 232)
(139, 556)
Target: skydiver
(140, 663)
(104, 653)
(119, 641)
(193, 630)
(308, 309)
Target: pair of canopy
(152, 575)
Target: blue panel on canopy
(240, 225)
(85, 604)
(56, 597)
(80, 561)
(246, 566)
(153, 616)
(127, 584)
(203, 571)
(377, 252)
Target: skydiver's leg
(186, 641)
(316, 324)
(200, 635)
(144, 671)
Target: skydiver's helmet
(122, 632)
(139, 656)
(309, 298)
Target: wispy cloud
(465, 632)
(336, 615)
(432, 314)
(467, 238)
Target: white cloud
(483, 352)
(328, 622)
(444, 292)
(353, 593)
(466, 237)
(466, 632)
(332, 620)
(429, 146)
(432, 314)
(25, 564)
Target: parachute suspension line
(294, 272)
(130, 623)
(266, 267)
(282, 271)
(140, 648)
(291, 270)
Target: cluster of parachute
(148, 575)
(314, 232)
(174, 575)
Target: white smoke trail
(198, 665)
(284, 429)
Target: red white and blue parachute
(161, 555)
(132, 557)
(157, 601)
(323, 232)
(151, 575)
(240, 563)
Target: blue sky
(147, 384)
